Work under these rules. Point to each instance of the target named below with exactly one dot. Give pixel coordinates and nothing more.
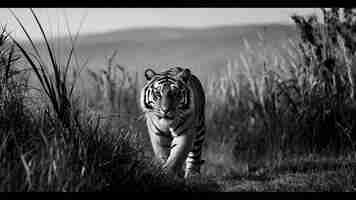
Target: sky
(98, 20)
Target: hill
(205, 50)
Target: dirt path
(305, 177)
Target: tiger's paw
(173, 127)
(192, 174)
(173, 133)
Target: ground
(299, 175)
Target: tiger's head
(167, 93)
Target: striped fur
(174, 104)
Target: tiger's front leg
(161, 146)
(180, 147)
(161, 142)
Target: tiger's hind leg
(194, 159)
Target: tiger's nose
(164, 109)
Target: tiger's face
(167, 95)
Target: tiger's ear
(185, 75)
(149, 73)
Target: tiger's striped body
(174, 106)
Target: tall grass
(13, 82)
(116, 89)
(298, 102)
(56, 88)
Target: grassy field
(280, 108)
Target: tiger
(173, 103)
